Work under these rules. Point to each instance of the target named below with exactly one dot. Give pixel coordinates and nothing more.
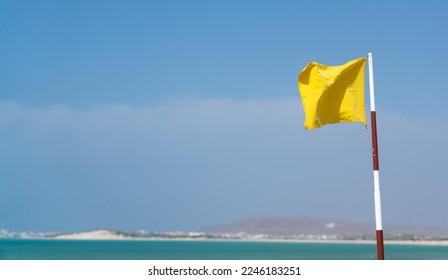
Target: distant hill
(290, 227)
(307, 227)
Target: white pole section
(371, 83)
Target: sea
(50, 249)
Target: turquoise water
(24, 249)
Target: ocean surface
(47, 249)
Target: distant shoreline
(110, 235)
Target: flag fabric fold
(333, 94)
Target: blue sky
(166, 115)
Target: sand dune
(92, 235)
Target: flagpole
(376, 176)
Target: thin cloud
(187, 163)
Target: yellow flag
(333, 94)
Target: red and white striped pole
(376, 175)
